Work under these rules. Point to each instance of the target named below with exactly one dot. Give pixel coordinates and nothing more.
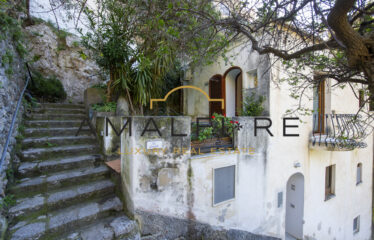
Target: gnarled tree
(333, 37)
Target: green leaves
(7, 201)
(46, 88)
(105, 107)
(139, 43)
(253, 106)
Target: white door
(295, 206)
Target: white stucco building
(309, 191)
(309, 186)
(287, 188)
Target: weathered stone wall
(110, 144)
(153, 177)
(64, 58)
(170, 192)
(12, 80)
(176, 228)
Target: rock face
(12, 80)
(64, 58)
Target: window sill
(224, 202)
(328, 197)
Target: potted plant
(219, 132)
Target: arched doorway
(295, 207)
(233, 85)
(216, 90)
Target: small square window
(224, 184)
(330, 182)
(356, 224)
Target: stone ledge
(165, 227)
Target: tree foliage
(139, 42)
(332, 38)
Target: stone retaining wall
(11, 85)
(156, 226)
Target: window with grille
(224, 184)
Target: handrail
(5, 148)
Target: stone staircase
(64, 189)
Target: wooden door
(216, 91)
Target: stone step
(50, 201)
(44, 183)
(64, 131)
(52, 123)
(54, 224)
(39, 116)
(119, 227)
(37, 154)
(62, 105)
(43, 142)
(32, 169)
(47, 110)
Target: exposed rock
(63, 58)
(12, 80)
(122, 226)
(160, 227)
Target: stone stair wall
(63, 189)
(11, 84)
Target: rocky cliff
(12, 80)
(52, 53)
(60, 54)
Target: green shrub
(11, 27)
(7, 201)
(100, 86)
(105, 107)
(253, 107)
(46, 88)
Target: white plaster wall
(137, 167)
(195, 103)
(230, 93)
(243, 212)
(332, 219)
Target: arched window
(359, 173)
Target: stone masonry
(63, 189)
